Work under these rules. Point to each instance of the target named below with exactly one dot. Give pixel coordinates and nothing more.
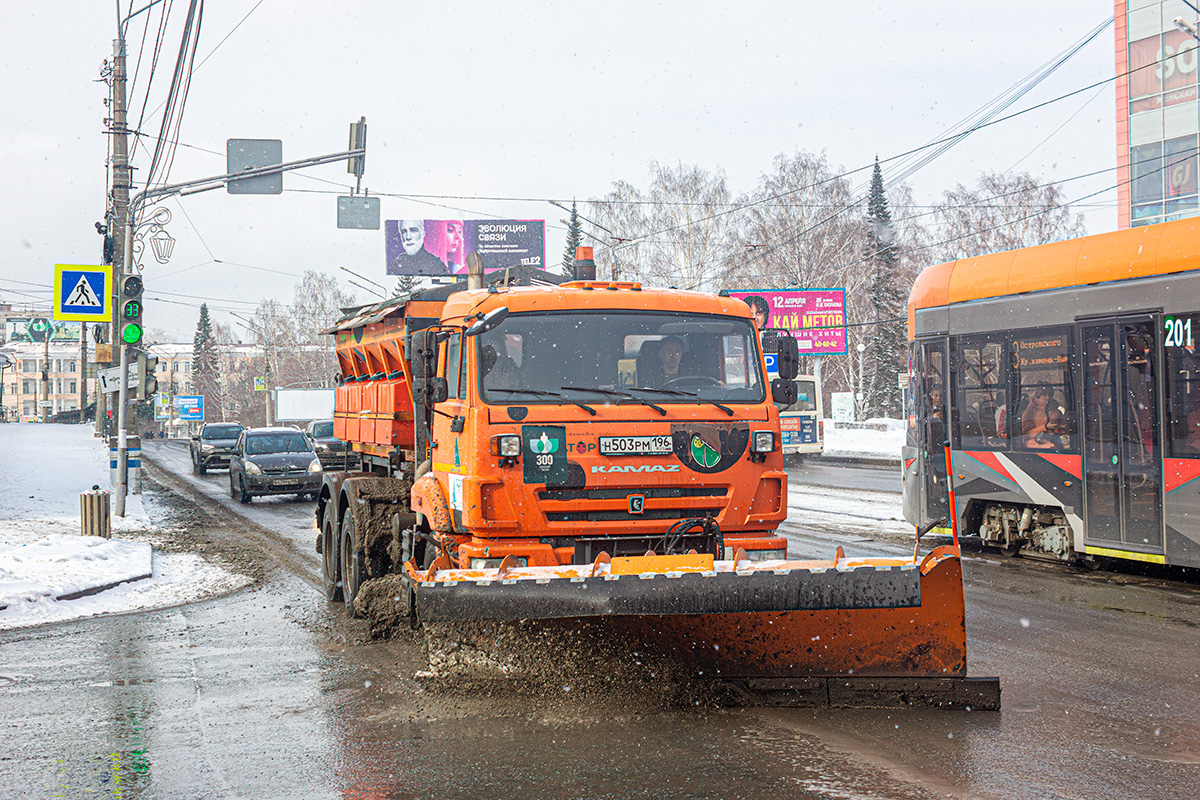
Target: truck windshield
(702, 357)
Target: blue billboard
(189, 408)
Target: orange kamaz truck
(602, 452)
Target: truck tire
(330, 570)
(351, 562)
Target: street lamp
(861, 348)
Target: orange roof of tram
(1132, 253)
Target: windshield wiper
(615, 393)
(680, 393)
(543, 393)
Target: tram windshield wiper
(615, 393)
(543, 393)
(680, 393)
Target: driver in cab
(670, 352)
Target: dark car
(273, 461)
(332, 451)
(213, 445)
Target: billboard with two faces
(441, 246)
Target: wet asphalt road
(271, 692)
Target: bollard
(134, 443)
(95, 514)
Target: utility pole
(46, 377)
(118, 208)
(82, 370)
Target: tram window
(982, 394)
(1180, 334)
(1043, 418)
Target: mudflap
(880, 618)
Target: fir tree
(885, 336)
(205, 364)
(405, 284)
(574, 239)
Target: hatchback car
(213, 445)
(273, 461)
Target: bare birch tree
(1003, 212)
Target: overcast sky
(526, 101)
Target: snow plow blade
(880, 617)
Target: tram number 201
(1178, 332)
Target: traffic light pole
(185, 188)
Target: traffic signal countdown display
(131, 310)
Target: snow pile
(64, 567)
(866, 442)
(48, 572)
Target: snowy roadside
(48, 572)
(869, 443)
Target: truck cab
(596, 417)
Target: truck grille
(609, 504)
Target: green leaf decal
(704, 455)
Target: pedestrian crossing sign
(82, 293)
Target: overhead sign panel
(441, 246)
(356, 212)
(82, 292)
(244, 154)
(816, 317)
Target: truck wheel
(351, 563)
(329, 557)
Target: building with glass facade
(1158, 112)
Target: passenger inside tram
(1043, 423)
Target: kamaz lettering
(637, 468)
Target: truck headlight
(762, 442)
(315, 466)
(494, 563)
(506, 445)
(252, 468)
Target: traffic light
(358, 140)
(147, 383)
(131, 310)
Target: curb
(857, 461)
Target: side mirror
(430, 391)
(789, 359)
(488, 321)
(423, 348)
(783, 391)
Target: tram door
(933, 428)
(1121, 435)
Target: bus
(1064, 381)
(801, 423)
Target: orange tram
(1065, 381)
